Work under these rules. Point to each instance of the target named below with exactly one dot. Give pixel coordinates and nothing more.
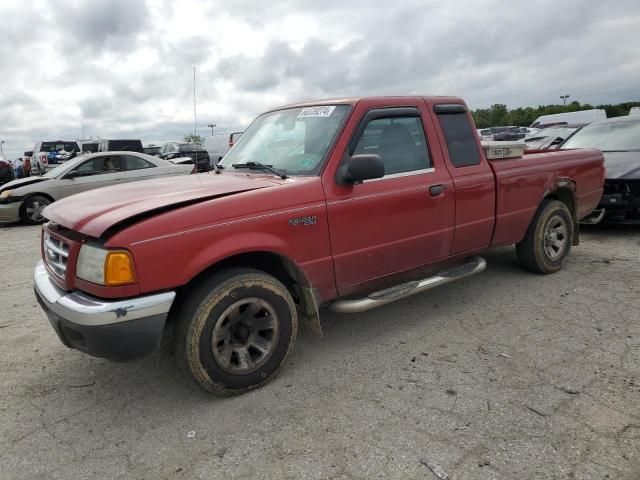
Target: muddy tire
(31, 209)
(235, 330)
(548, 239)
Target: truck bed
(534, 175)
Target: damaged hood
(622, 165)
(95, 211)
(22, 182)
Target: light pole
(564, 99)
(212, 126)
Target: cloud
(99, 25)
(125, 67)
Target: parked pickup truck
(345, 205)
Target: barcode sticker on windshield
(322, 111)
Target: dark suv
(120, 145)
(195, 151)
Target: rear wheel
(31, 209)
(235, 330)
(548, 239)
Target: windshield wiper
(260, 166)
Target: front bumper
(10, 212)
(119, 330)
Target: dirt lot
(502, 375)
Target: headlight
(105, 267)
(5, 194)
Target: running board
(471, 266)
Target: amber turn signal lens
(118, 269)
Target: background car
(120, 145)
(151, 149)
(88, 146)
(52, 152)
(619, 140)
(173, 150)
(24, 199)
(6, 171)
(550, 138)
(508, 133)
(18, 168)
(218, 145)
(27, 163)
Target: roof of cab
(355, 100)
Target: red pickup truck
(342, 204)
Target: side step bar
(594, 217)
(471, 266)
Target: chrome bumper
(82, 309)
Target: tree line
(500, 115)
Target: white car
(24, 199)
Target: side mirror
(364, 166)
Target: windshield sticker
(307, 163)
(322, 111)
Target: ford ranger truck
(341, 204)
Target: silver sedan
(24, 199)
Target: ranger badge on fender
(305, 221)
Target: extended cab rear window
(461, 140)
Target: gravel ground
(503, 375)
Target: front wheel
(31, 209)
(548, 239)
(235, 330)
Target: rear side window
(137, 163)
(400, 142)
(461, 141)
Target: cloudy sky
(124, 68)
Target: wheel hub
(245, 336)
(555, 237)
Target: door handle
(435, 190)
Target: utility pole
(564, 99)
(212, 126)
(195, 125)
(1, 150)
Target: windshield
(295, 141)
(64, 167)
(608, 137)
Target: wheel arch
(31, 195)
(272, 263)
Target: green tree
(499, 115)
(192, 138)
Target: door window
(137, 163)
(98, 166)
(461, 142)
(399, 141)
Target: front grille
(56, 254)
